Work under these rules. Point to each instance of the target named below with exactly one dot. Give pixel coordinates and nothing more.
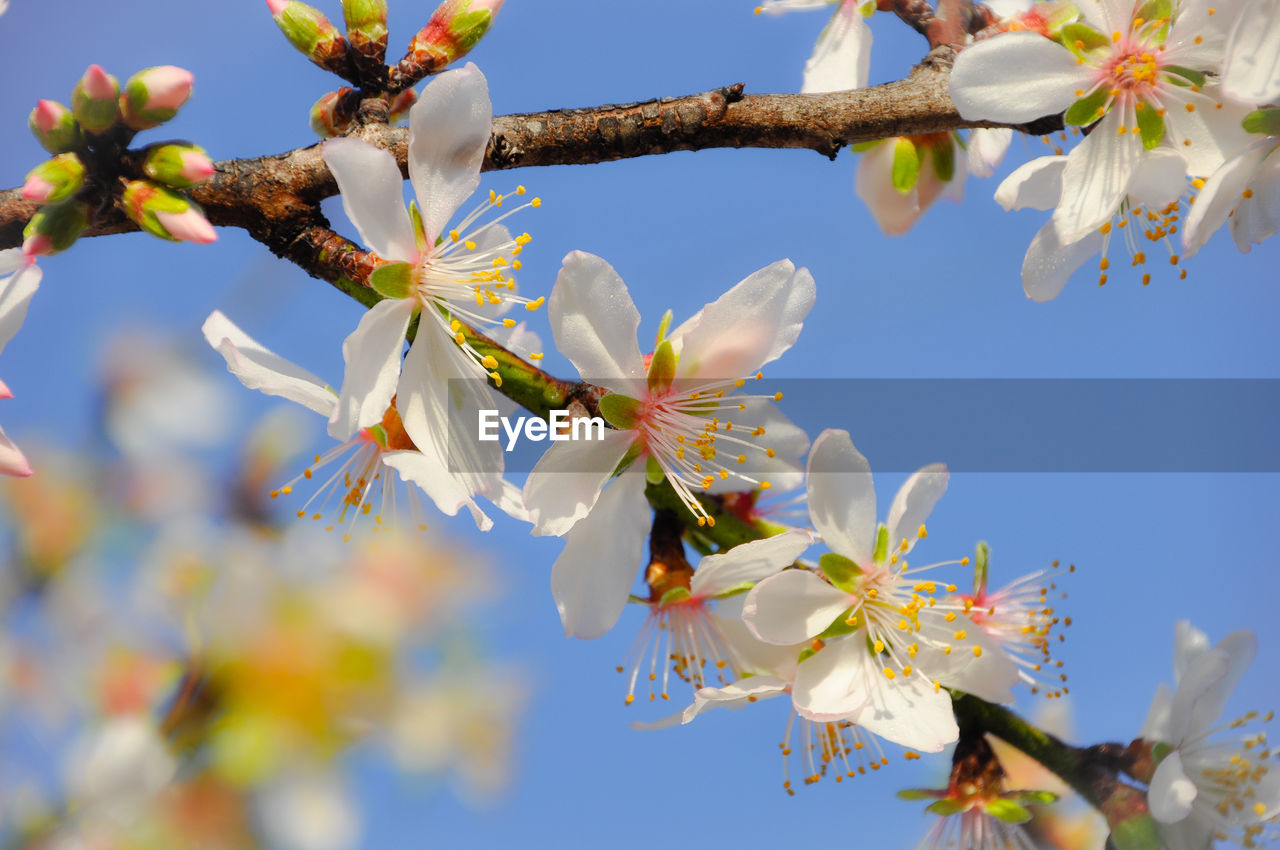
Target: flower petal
(15, 297)
(785, 470)
(1171, 794)
(12, 259)
(842, 497)
(748, 562)
(734, 695)
(914, 502)
(1189, 643)
(567, 480)
(1049, 264)
(987, 147)
(12, 460)
(1036, 185)
(1251, 73)
(265, 371)
(1204, 130)
(595, 321)
(449, 129)
(372, 354)
(1159, 180)
(842, 55)
(1097, 176)
(747, 327)
(792, 606)
(909, 711)
(835, 682)
(1157, 725)
(989, 675)
(593, 575)
(893, 211)
(443, 487)
(1258, 218)
(373, 197)
(1208, 683)
(1015, 77)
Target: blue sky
(944, 301)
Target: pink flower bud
(5, 392)
(196, 167)
(98, 84)
(94, 100)
(48, 115)
(188, 226)
(37, 245)
(154, 95)
(277, 7)
(12, 461)
(37, 189)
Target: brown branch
(274, 197)
(947, 25)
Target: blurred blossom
(117, 768)
(51, 516)
(310, 811)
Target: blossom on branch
(21, 278)
(842, 55)
(1244, 192)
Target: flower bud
(54, 127)
(332, 115)
(166, 214)
(401, 103)
(54, 180)
(55, 228)
(454, 28)
(311, 33)
(94, 100)
(178, 165)
(154, 95)
(367, 27)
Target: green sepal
(394, 280)
(867, 9)
(805, 654)
(1089, 108)
(981, 567)
(881, 550)
(1136, 833)
(917, 794)
(653, 470)
(96, 115)
(906, 165)
(735, 589)
(675, 594)
(61, 223)
(1034, 798)
(1264, 121)
(379, 435)
(1150, 125)
(65, 134)
(65, 172)
(468, 28)
(839, 626)
(662, 368)
(1082, 39)
(863, 147)
(944, 161)
(842, 571)
(663, 327)
(946, 807)
(419, 229)
(1183, 76)
(1155, 10)
(1008, 811)
(1160, 751)
(620, 411)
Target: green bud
(367, 27)
(54, 180)
(95, 100)
(154, 95)
(165, 214)
(55, 228)
(178, 165)
(55, 127)
(311, 33)
(454, 29)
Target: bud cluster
(87, 141)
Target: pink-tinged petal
(440, 394)
(5, 392)
(593, 575)
(265, 371)
(1258, 218)
(1016, 77)
(909, 711)
(792, 607)
(748, 562)
(12, 460)
(1049, 264)
(1097, 176)
(595, 321)
(449, 128)
(567, 480)
(895, 212)
(1207, 134)
(15, 297)
(190, 225)
(12, 259)
(747, 327)
(785, 470)
(987, 147)
(373, 197)
(1251, 73)
(372, 354)
(1171, 794)
(1157, 725)
(735, 695)
(441, 486)
(914, 502)
(836, 682)
(842, 497)
(842, 55)
(1159, 180)
(1033, 185)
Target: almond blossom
(884, 648)
(1204, 786)
(16, 289)
(677, 415)
(1251, 70)
(900, 178)
(1135, 67)
(443, 276)
(842, 55)
(1244, 192)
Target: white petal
(893, 211)
(1097, 176)
(12, 259)
(12, 460)
(372, 354)
(509, 499)
(748, 562)
(842, 498)
(1189, 643)
(443, 487)
(914, 502)
(15, 297)
(1258, 218)
(842, 55)
(1171, 793)
(567, 480)
(1190, 833)
(835, 682)
(263, 370)
(593, 575)
(1036, 185)
(1160, 179)
(785, 470)
(373, 197)
(990, 675)
(752, 654)
(910, 712)
(1230, 659)
(1251, 73)
(1108, 15)
(594, 322)
(780, 7)
(987, 147)
(747, 327)
(1157, 725)
(449, 128)
(1049, 263)
(1015, 77)
(792, 607)
(1214, 131)
(734, 695)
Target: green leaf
(620, 411)
(1080, 39)
(675, 594)
(1089, 108)
(944, 161)
(662, 368)
(1264, 121)
(842, 571)
(1008, 811)
(882, 544)
(1150, 125)
(839, 626)
(653, 471)
(1184, 76)
(394, 280)
(946, 806)
(906, 165)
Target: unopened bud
(55, 228)
(311, 33)
(178, 165)
(401, 103)
(94, 100)
(54, 180)
(154, 95)
(54, 127)
(332, 114)
(454, 28)
(367, 27)
(165, 213)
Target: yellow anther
(454, 235)
(536, 303)
(489, 362)
(977, 652)
(535, 355)
(961, 635)
(765, 485)
(888, 674)
(536, 202)
(460, 338)
(508, 323)
(470, 245)
(497, 379)
(879, 646)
